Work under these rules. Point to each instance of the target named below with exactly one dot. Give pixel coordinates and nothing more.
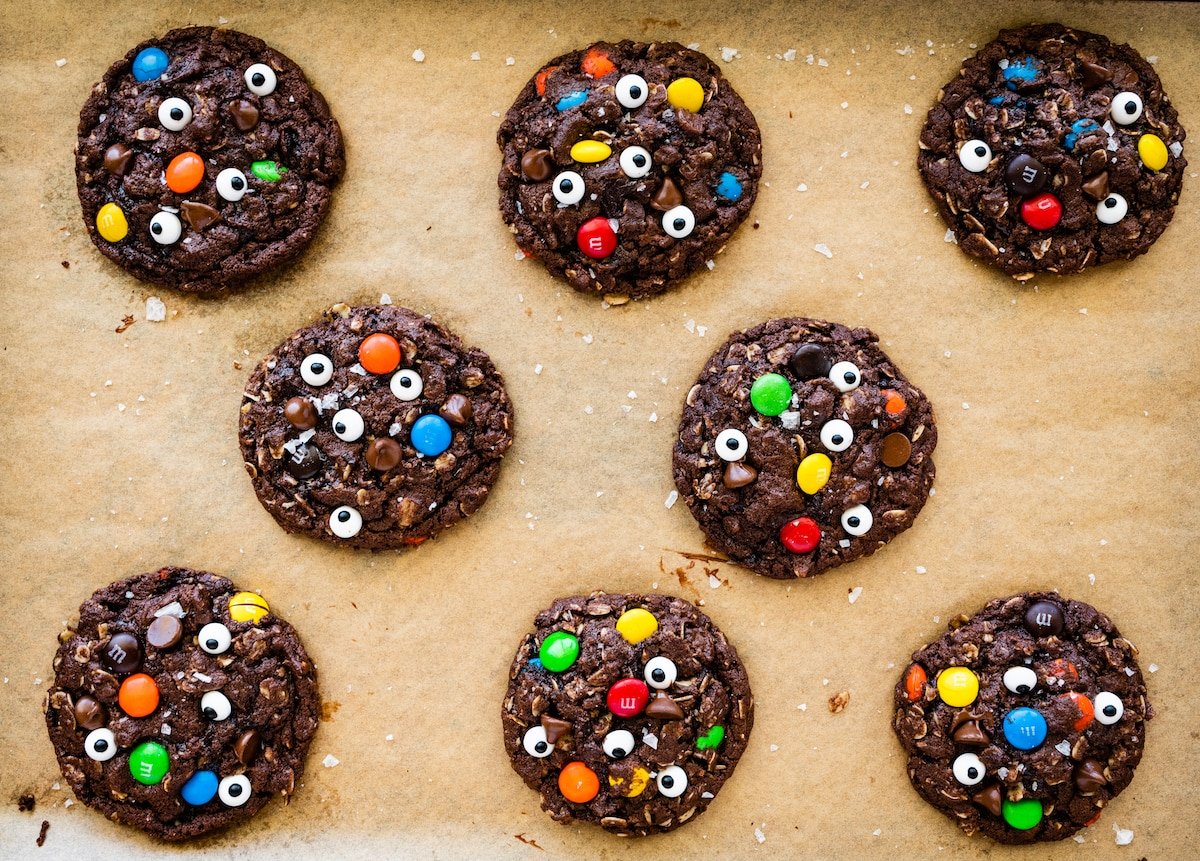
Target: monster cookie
(1052, 151)
(1025, 720)
(180, 705)
(628, 711)
(802, 447)
(205, 158)
(627, 166)
(374, 427)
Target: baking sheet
(1067, 453)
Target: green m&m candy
(1024, 814)
(268, 171)
(559, 651)
(771, 394)
(148, 762)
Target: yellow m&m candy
(957, 686)
(590, 152)
(636, 625)
(111, 223)
(248, 607)
(635, 786)
(813, 472)
(1153, 151)
(686, 93)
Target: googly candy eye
(100, 744)
(636, 162)
(348, 425)
(231, 184)
(672, 781)
(234, 790)
(846, 376)
(316, 369)
(536, 743)
(1112, 209)
(660, 673)
(1109, 707)
(679, 222)
(214, 705)
(345, 521)
(732, 444)
(165, 228)
(261, 80)
(968, 769)
(1126, 108)
(174, 114)
(857, 520)
(975, 155)
(407, 385)
(214, 638)
(1020, 680)
(836, 435)
(632, 91)
(568, 188)
(618, 744)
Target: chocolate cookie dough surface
(1025, 720)
(204, 159)
(1052, 151)
(627, 711)
(802, 447)
(627, 166)
(374, 427)
(180, 705)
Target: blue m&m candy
(1024, 728)
(728, 187)
(431, 435)
(571, 100)
(200, 788)
(149, 64)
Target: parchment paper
(1066, 408)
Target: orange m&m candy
(1086, 710)
(914, 683)
(578, 783)
(895, 403)
(138, 695)
(596, 63)
(379, 353)
(540, 80)
(185, 172)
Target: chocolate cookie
(374, 427)
(1052, 151)
(1025, 720)
(204, 159)
(180, 705)
(628, 711)
(627, 166)
(802, 447)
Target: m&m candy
(801, 535)
(628, 697)
(138, 695)
(1024, 728)
(814, 472)
(578, 783)
(559, 651)
(248, 607)
(636, 625)
(149, 762)
(771, 394)
(686, 93)
(149, 64)
(430, 435)
(200, 788)
(1024, 814)
(957, 686)
(379, 353)
(596, 238)
(184, 172)
(111, 223)
(1042, 212)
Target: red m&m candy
(596, 238)
(801, 535)
(628, 697)
(1042, 212)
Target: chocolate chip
(1044, 619)
(383, 453)
(738, 474)
(89, 714)
(810, 361)
(199, 215)
(122, 653)
(989, 799)
(164, 632)
(667, 197)
(245, 114)
(663, 707)
(971, 734)
(555, 728)
(537, 164)
(1089, 776)
(305, 463)
(896, 450)
(457, 410)
(1094, 75)
(301, 413)
(1026, 175)
(1097, 187)
(246, 745)
(117, 158)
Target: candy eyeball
(100, 744)
(618, 744)
(407, 385)
(672, 781)
(636, 162)
(214, 638)
(165, 228)
(174, 114)
(231, 184)
(535, 742)
(316, 369)
(975, 155)
(846, 376)
(679, 222)
(836, 435)
(348, 425)
(1109, 707)
(261, 80)
(1112, 209)
(732, 444)
(568, 187)
(234, 790)
(857, 520)
(1020, 680)
(632, 91)
(660, 673)
(214, 705)
(345, 521)
(968, 769)
(1126, 108)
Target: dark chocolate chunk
(555, 728)
(662, 707)
(457, 410)
(668, 196)
(537, 164)
(383, 453)
(198, 215)
(1089, 776)
(116, 159)
(738, 474)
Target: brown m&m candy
(122, 653)
(896, 450)
(810, 361)
(301, 413)
(89, 714)
(117, 158)
(457, 410)
(164, 632)
(245, 114)
(383, 453)
(304, 463)
(1025, 175)
(1044, 619)
(537, 164)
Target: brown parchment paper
(1067, 411)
